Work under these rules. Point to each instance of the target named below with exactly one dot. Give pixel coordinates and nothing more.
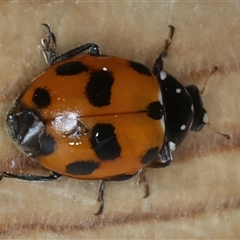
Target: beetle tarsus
(100, 197)
(142, 179)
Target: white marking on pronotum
(178, 90)
(205, 118)
(104, 69)
(183, 127)
(172, 146)
(163, 75)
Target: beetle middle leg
(100, 197)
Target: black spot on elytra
(140, 68)
(155, 110)
(82, 167)
(98, 89)
(71, 68)
(47, 145)
(104, 142)
(150, 155)
(41, 98)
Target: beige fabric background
(198, 196)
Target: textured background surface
(198, 196)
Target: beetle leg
(165, 155)
(142, 179)
(169, 40)
(30, 177)
(158, 66)
(100, 197)
(91, 48)
(49, 47)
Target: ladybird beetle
(92, 116)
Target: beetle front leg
(158, 66)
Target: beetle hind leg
(29, 177)
(49, 45)
(49, 48)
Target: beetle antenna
(215, 68)
(215, 130)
